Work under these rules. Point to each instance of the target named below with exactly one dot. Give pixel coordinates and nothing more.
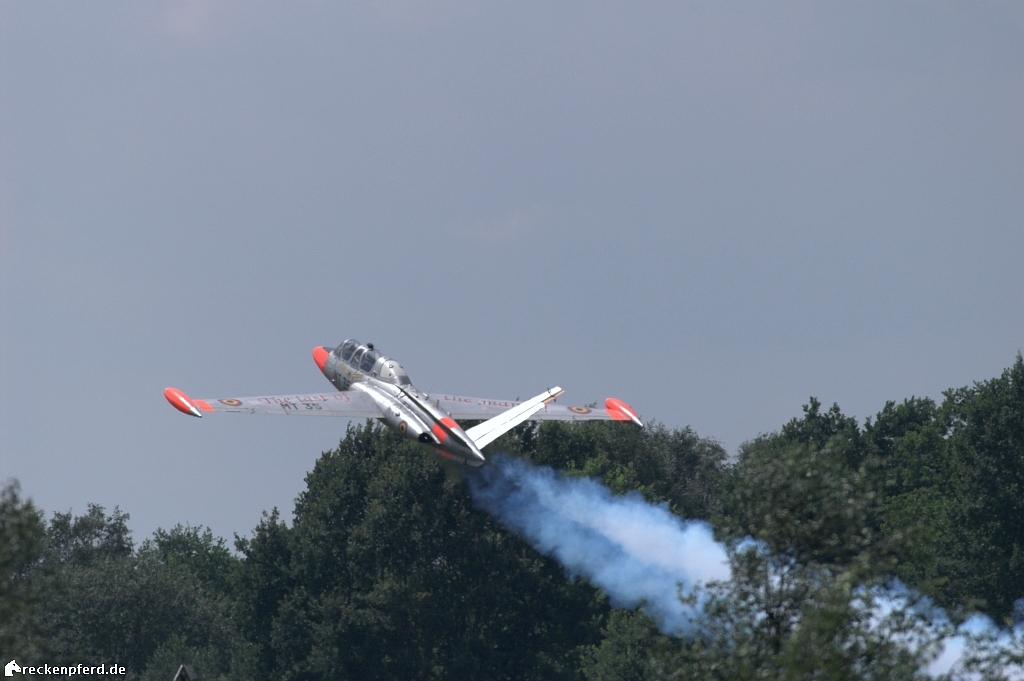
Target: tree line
(388, 571)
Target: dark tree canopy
(22, 534)
(387, 570)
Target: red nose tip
(320, 356)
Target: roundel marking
(402, 427)
(579, 410)
(231, 402)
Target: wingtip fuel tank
(620, 411)
(182, 402)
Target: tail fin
(491, 429)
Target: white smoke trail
(978, 649)
(636, 551)
(641, 554)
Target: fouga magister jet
(374, 386)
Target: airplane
(374, 386)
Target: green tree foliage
(21, 540)
(833, 429)
(625, 653)
(264, 581)
(123, 610)
(98, 600)
(778, 619)
(198, 552)
(388, 572)
(87, 539)
(675, 466)
(983, 485)
(930, 494)
(951, 479)
(806, 502)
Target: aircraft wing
(479, 408)
(345, 404)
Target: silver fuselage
(406, 410)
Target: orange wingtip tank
(184, 403)
(620, 411)
(320, 356)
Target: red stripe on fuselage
(440, 433)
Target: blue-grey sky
(712, 211)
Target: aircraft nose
(320, 356)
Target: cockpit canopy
(363, 358)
